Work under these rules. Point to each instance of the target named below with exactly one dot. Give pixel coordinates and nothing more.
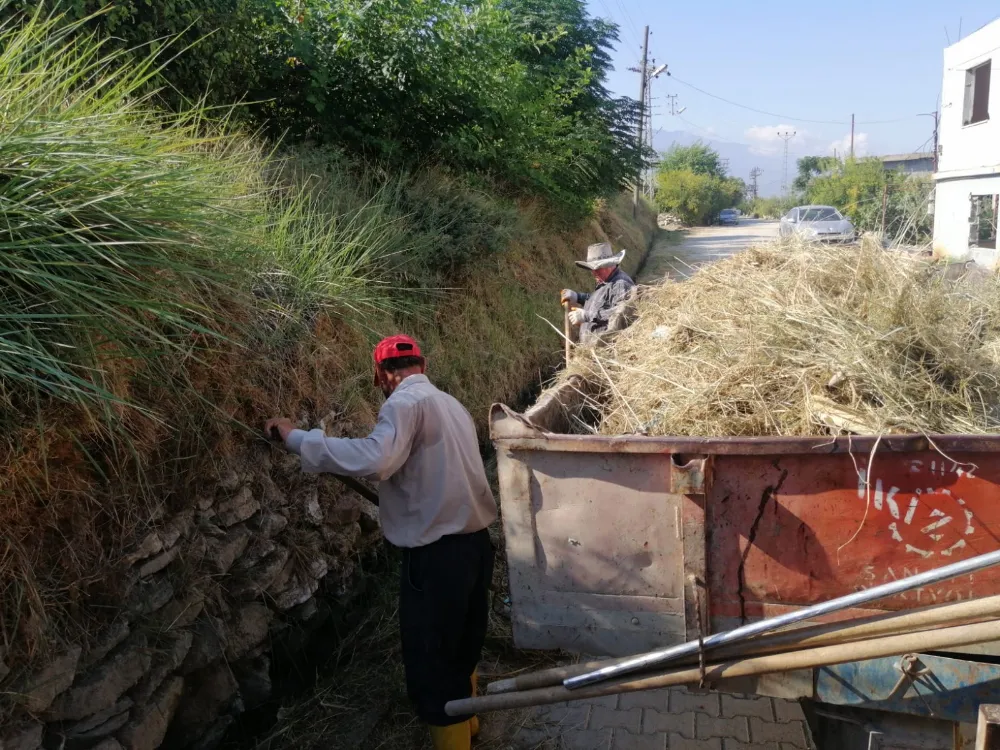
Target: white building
(968, 177)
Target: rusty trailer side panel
(618, 545)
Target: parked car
(820, 223)
(729, 216)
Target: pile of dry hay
(796, 339)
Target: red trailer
(618, 545)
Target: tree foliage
(691, 184)
(697, 158)
(696, 198)
(511, 88)
(811, 167)
(874, 198)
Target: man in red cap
(435, 504)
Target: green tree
(696, 198)
(875, 199)
(698, 158)
(811, 167)
(215, 45)
(514, 89)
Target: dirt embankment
(154, 610)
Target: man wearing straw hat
(591, 312)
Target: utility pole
(885, 204)
(642, 117)
(936, 115)
(647, 181)
(754, 174)
(852, 136)
(724, 166)
(786, 136)
(673, 105)
(647, 72)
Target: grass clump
(121, 222)
(799, 339)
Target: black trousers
(443, 611)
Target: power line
(628, 19)
(786, 117)
(611, 16)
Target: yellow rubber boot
(454, 737)
(474, 721)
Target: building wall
(967, 147)
(951, 219)
(911, 166)
(969, 162)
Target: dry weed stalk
(769, 341)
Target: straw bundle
(797, 339)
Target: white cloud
(764, 139)
(842, 146)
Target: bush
(122, 222)
(860, 187)
(514, 91)
(769, 208)
(215, 45)
(698, 158)
(696, 198)
(132, 232)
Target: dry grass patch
(797, 339)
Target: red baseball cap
(396, 346)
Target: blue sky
(879, 59)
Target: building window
(983, 221)
(977, 94)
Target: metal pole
(566, 330)
(935, 140)
(852, 136)
(663, 655)
(642, 117)
(875, 648)
(786, 137)
(885, 203)
(812, 636)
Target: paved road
(702, 245)
(668, 719)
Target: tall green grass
(127, 232)
(119, 223)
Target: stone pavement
(668, 719)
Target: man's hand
(577, 316)
(568, 295)
(283, 426)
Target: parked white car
(818, 223)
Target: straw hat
(600, 255)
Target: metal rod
(875, 648)
(566, 330)
(663, 655)
(811, 636)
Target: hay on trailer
(803, 339)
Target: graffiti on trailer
(926, 521)
(951, 591)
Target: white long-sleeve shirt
(425, 454)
